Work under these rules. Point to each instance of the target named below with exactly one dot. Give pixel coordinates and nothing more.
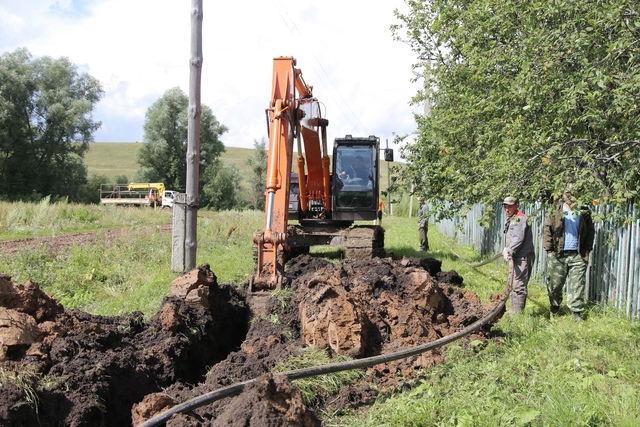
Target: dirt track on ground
(64, 241)
(78, 369)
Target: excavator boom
(295, 121)
(293, 111)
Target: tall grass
(536, 371)
(225, 242)
(43, 219)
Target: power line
(294, 30)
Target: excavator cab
(355, 178)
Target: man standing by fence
(568, 240)
(423, 225)
(518, 252)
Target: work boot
(517, 306)
(554, 309)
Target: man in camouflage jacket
(423, 225)
(568, 241)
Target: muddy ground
(69, 368)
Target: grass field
(112, 159)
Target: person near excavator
(519, 252)
(569, 234)
(357, 173)
(423, 225)
(379, 213)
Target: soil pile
(66, 367)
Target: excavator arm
(293, 116)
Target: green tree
(163, 157)
(46, 125)
(525, 97)
(258, 178)
(91, 193)
(221, 185)
(121, 179)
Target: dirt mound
(96, 367)
(72, 368)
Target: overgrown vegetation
(47, 218)
(536, 371)
(524, 99)
(131, 272)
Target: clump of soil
(66, 367)
(88, 370)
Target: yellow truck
(151, 194)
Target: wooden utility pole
(193, 136)
(390, 208)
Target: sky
(138, 49)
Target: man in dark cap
(518, 252)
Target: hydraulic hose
(474, 265)
(237, 388)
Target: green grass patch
(316, 389)
(112, 159)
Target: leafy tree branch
(525, 98)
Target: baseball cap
(510, 201)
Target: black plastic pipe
(237, 388)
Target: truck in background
(167, 198)
(151, 194)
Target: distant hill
(112, 159)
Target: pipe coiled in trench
(237, 388)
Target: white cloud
(139, 49)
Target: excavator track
(364, 242)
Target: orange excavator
(325, 196)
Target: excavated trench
(66, 367)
